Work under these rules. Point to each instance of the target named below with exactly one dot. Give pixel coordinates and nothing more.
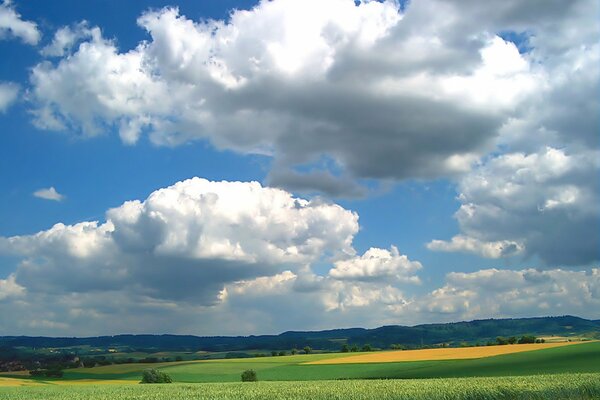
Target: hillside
(382, 337)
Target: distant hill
(383, 337)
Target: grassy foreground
(564, 386)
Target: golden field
(458, 353)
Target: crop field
(580, 358)
(566, 386)
(460, 353)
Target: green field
(580, 358)
(545, 387)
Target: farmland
(440, 354)
(549, 372)
(576, 358)
(584, 386)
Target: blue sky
(445, 172)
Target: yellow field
(439, 354)
(11, 382)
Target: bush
(155, 376)
(249, 375)
(527, 339)
(48, 373)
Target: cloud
(514, 293)
(377, 264)
(485, 249)
(66, 37)
(384, 94)
(49, 194)
(185, 242)
(9, 288)
(316, 182)
(8, 95)
(11, 25)
(542, 204)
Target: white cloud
(377, 264)
(9, 288)
(49, 194)
(66, 37)
(544, 203)
(185, 241)
(8, 95)
(514, 293)
(11, 25)
(381, 93)
(496, 249)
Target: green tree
(527, 339)
(354, 348)
(307, 350)
(512, 340)
(345, 348)
(367, 347)
(249, 375)
(294, 352)
(155, 376)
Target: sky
(252, 167)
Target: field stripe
(459, 353)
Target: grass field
(460, 353)
(547, 387)
(580, 358)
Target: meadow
(577, 358)
(584, 386)
(554, 372)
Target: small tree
(249, 375)
(282, 353)
(155, 376)
(274, 353)
(512, 340)
(307, 350)
(294, 352)
(354, 348)
(527, 339)
(345, 348)
(367, 347)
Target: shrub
(249, 375)
(155, 376)
(527, 339)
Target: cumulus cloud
(8, 95)
(544, 203)
(185, 241)
(377, 264)
(67, 36)
(514, 293)
(11, 25)
(10, 288)
(381, 92)
(49, 194)
(485, 249)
